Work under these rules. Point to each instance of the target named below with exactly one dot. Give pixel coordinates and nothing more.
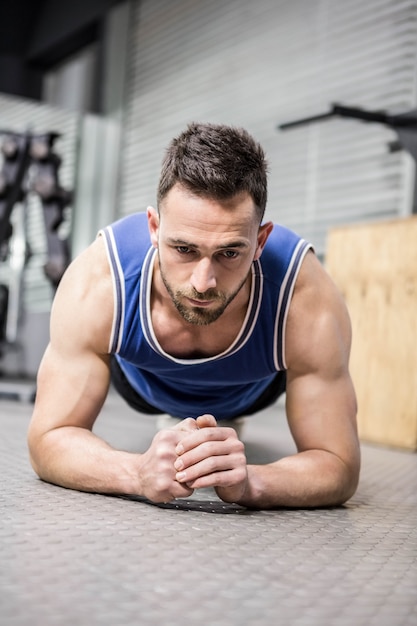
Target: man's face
(205, 251)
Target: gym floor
(75, 558)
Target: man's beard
(199, 315)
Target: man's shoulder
(313, 280)
(281, 232)
(128, 241)
(283, 256)
(84, 301)
(128, 224)
(89, 273)
(131, 229)
(282, 242)
(317, 310)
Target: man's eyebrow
(232, 244)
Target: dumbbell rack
(30, 166)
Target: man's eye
(230, 254)
(183, 249)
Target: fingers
(166, 490)
(187, 425)
(203, 435)
(209, 474)
(157, 472)
(205, 421)
(195, 454)
(190, 424)
(211, 458)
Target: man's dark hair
(215, 161)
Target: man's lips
(202, 303)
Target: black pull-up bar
(405, 126)
(404, 120)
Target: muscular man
(201, 310)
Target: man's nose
(203, 276)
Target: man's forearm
(77, 459)
(309, 479)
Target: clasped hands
(196, 453)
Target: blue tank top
(226, 384)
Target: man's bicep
(71, 389)
(73, 377)
(322, 413)
(321, 401)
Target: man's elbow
(347, 482)
(37, 452)
(34, 457)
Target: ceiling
(17, 18)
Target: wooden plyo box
(375, 267)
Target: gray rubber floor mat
(72, 558)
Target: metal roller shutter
(260, 64)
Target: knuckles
(188, 425)
(166, 436)
(164, 444)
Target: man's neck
(182, 339)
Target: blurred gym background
(91, 91)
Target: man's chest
(186, 341)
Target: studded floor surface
(71, 558)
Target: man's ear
(263, 234)
(153, 225)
